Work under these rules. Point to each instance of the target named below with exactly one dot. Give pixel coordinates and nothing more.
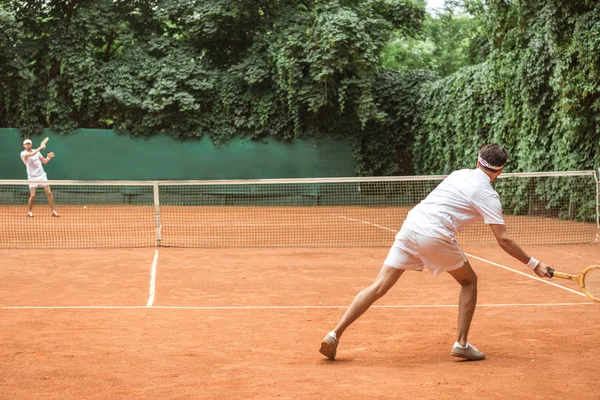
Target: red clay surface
(246, 323)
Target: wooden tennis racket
(588, 280)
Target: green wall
(91, 154)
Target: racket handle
(551, 272)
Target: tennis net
(539, 208)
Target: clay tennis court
(208, 323)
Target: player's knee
(381, 291)
(380, 288)
(32, 195)
(470, 280)
(474, 280)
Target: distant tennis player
(428, 238)
(33, 160)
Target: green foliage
(15, 77)
(538, 94)
(222, 67)
(292, 68)
(383, 147)
(449, 41)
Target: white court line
(280, 307)
(365, 222)
(153, 279)
(482, 259)
(527, 275)
(153, 285)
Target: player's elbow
(504, 242)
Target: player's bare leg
(30, 201)
(386, 278)
(467, 302)
(50, 200)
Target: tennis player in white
(33, 160)
(428, 238)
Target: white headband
(26, 141)
(487, 164)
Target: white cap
(27, 141)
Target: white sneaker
(329, 345)
(55, 214)
(30, 213)
(468, 352)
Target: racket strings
(592, 282)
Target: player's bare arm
(45, 160)
(512, 248)
(34, 152)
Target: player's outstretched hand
(542, 270)
(42, 147)
(51, 155)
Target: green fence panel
(92, 154)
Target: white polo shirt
(461, 199)
(35, 170)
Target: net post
(597, 206)
(157, 212)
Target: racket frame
(583, 273)
(580, 279)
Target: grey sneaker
(329, 345)
(468, 352)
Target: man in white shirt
(33, 160)
(428, 238)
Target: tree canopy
(450, 39)
(412, 92)
(195, 67)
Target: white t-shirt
(462, 198)
(34, 165)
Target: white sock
(332, 334)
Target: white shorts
(37, 178)
(412, 251)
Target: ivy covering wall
(538, 93)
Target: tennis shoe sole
(329, 346)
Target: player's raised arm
(513, 248)
(34, 152)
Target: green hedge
(538, 94)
